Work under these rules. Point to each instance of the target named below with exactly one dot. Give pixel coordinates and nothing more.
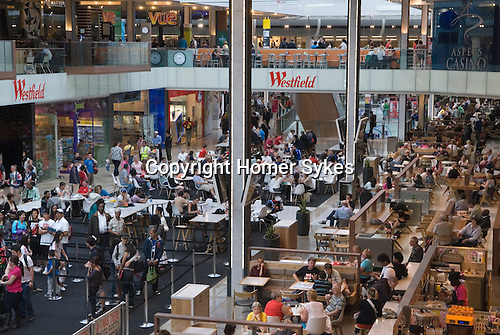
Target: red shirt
(83, 190)
(461, 293)
(277, 140)
(202, 153)
(273, 308)
(314, 160)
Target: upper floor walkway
(101, 69)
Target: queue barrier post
(77, 280)
(169, 307)
(194, 266)
(214, 274)
(86, 320)
(146, 324)
(54, 296)
(127, 314)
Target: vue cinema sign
(163, 18)
(279, 79)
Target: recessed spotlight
(308, 26)
(286, 26)
(371, 27)
(200, 25)
(329, 26)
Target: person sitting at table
(336, 302)
(322, 285)
(202, 183)
(443, 231)
(260, 269)
(369, 310)
(470, 234)
(453, 173)
(314, 310)
(309, 270)
(143, 183)
(441, 153)
(485, 222)
(103, 193)
(462, 205)
(463, 162)
(387, 267)
(385, 288)
(399, 267)
(366, 266)
(84, 189)
(275, 307)
(332, 275)
(30, 192)
(418, 182)
(138, 197)
(417, 252)
(343, 213)
(62, 190)
(400, 222)
(181, 201)
(257, 315)
(123, 199)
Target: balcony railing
(41, 60)
(7, 65)
(107, 57)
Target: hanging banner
(266, 33)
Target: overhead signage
(466, 59)
(279, 79)
(164, 18)
(30, 92)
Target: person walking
(26, 281)
(90, 164)
(168, 145)
(116, 156)
(188, 125)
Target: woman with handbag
(125, 270)
(14, 294)
(153, 250)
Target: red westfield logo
(280, 79)
(32, 92)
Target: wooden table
(459, 185)
(200, 331)
(287, 230)
(302, 285)
(332, 231)
(254, 281)
(192, 299)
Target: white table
(383, 325)
(405, 282)
(128, 211)
(28, 206)
(223, 145)
(302, 285)
(200, 331)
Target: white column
(212, 27)
(240, 95)
(402, 117)
(403, 41)
(424, 28)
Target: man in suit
(98, 226)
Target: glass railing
(7, 56)
(107, 54)
(41, 60)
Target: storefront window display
(68, 127)
(184, 104)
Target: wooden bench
(281, 276)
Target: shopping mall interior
(250, 167)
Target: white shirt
(46, 239)
(26, 275)
(343, 46)
(388, 271)
(103, 225)
(182, 156)
(62, 225)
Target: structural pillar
(424, 28)
(187, 26)
(212, 27)
(403, 41)
(353, 24)
(421, 111)
(402, 117)
(130, 21)
(70, 19)
(430, 107)
(240, 43)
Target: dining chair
(243, 299)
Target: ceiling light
(200, 25)
(329, 26)
(140, 7)
(308, 26)
(286, 26)
(371, 27)
(206, 7)
(415, 26)
(393, 26)
(194, 7)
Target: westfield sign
(280, 79)
(33, 92)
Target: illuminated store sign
(280, 79)
(163, 18)
(32, 92)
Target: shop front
(183, 105)
(68, 127)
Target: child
(52, 263)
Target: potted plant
(271, 239)
(303, 219)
